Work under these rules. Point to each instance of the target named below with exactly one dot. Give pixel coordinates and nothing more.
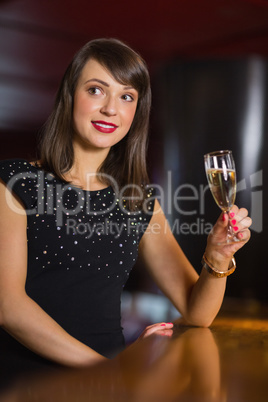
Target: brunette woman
(73, 222)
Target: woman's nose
(109, 106)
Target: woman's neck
(84, 172)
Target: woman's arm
(20, 316)
(198, 298)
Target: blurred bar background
(209, 67)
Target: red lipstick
(104, 126)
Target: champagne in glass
(221, 175)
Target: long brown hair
(126, 161)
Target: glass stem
(230, 233)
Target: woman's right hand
(162, 328)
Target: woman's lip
(104, 126)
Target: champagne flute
(221, 176)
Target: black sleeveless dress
(82, 246)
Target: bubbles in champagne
(222, 183)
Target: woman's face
(103, 108)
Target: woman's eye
(94, 91)
(128, 98)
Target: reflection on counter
(225, 363)
(154, 369)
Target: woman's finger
(240, 222)
(163, 328)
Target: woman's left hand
(240, 222)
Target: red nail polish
(163, 325)
(235, 228)
(232, 214)
(223, 217)
(233, 221)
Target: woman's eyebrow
(106, 83)
(129, 87)
(100, 81)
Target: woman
(74, 222)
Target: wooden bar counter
(227, 362)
